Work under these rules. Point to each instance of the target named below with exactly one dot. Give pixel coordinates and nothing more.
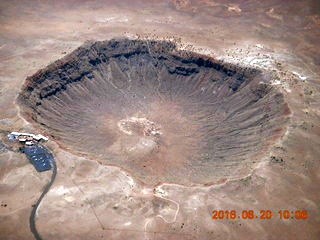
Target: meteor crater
(163, 114)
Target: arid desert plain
(163, 120)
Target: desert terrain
(217, 109)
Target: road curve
(32, 219)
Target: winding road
(32, 219)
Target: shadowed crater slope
(164, 115)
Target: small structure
(26, 138)
(22, 139)
(39, 156)
(29, 143)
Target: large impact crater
(163, 114)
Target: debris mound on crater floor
(163, 114)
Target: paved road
(32, 219)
